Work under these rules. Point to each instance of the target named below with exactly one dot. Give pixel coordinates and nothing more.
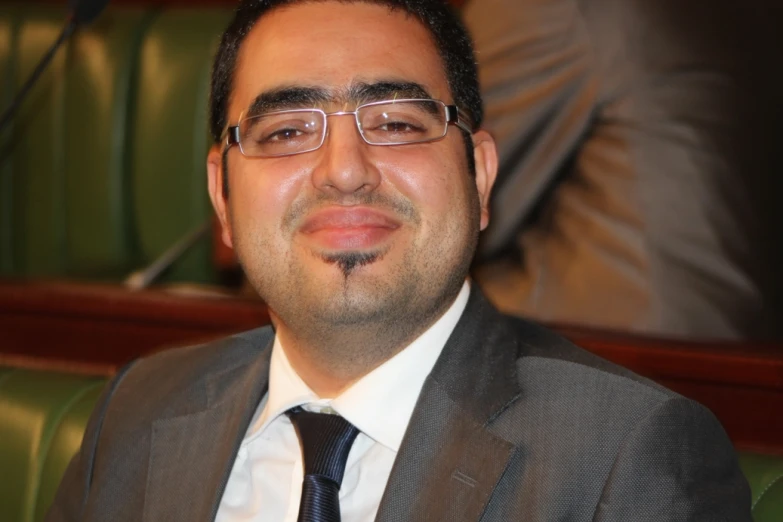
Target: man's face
(351, 233)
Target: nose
(344, 166)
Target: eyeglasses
(384, 123)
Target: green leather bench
(43, 415)
(42, 419)
(103, 167)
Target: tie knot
(326, 441)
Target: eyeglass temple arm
(232, 135)
(458, 117)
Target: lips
(349, 227)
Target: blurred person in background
(640, 163)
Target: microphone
(146, 276)
(85, 11)
(82, 12)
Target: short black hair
(449, 34)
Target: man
(341, 177)
(639, 164)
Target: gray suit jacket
(514, 423)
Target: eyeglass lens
(296, 131)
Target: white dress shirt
(265, 484)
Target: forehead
(333, 45)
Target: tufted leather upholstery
(43, 416)
(103, 168)
(765, 475)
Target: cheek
(432, 182)
(259, 198)
(449, 197)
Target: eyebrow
(301, 97)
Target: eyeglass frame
(454, 116)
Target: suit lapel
(207, 440)
(450, 461)
(447, 467)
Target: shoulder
(544, 355)
(596, 423)
(162, 380)
(580, 395)
(546, 369)
(191, 361)
(583, 403)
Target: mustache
(397, 205)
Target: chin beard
(348, 261)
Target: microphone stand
(146, 276)
(67, 31)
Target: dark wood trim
(755, 364)
(106, 326)
(57, 365)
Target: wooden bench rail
(107, 326)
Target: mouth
(349, 228)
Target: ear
(215, 186)
(485, 154)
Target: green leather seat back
(170, 140)
(7, 32)
(765, 475)
(64, 445)
(42, 419)
(32, 151)
(99, 91)
(103, 168)
(64, 161)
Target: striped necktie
(326, 441)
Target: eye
(407, 121)
(282, 129)
(399, 127)
(395, 124)
(283, 135)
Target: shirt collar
(381, 403)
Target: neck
(335, 360)
(329, 358)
